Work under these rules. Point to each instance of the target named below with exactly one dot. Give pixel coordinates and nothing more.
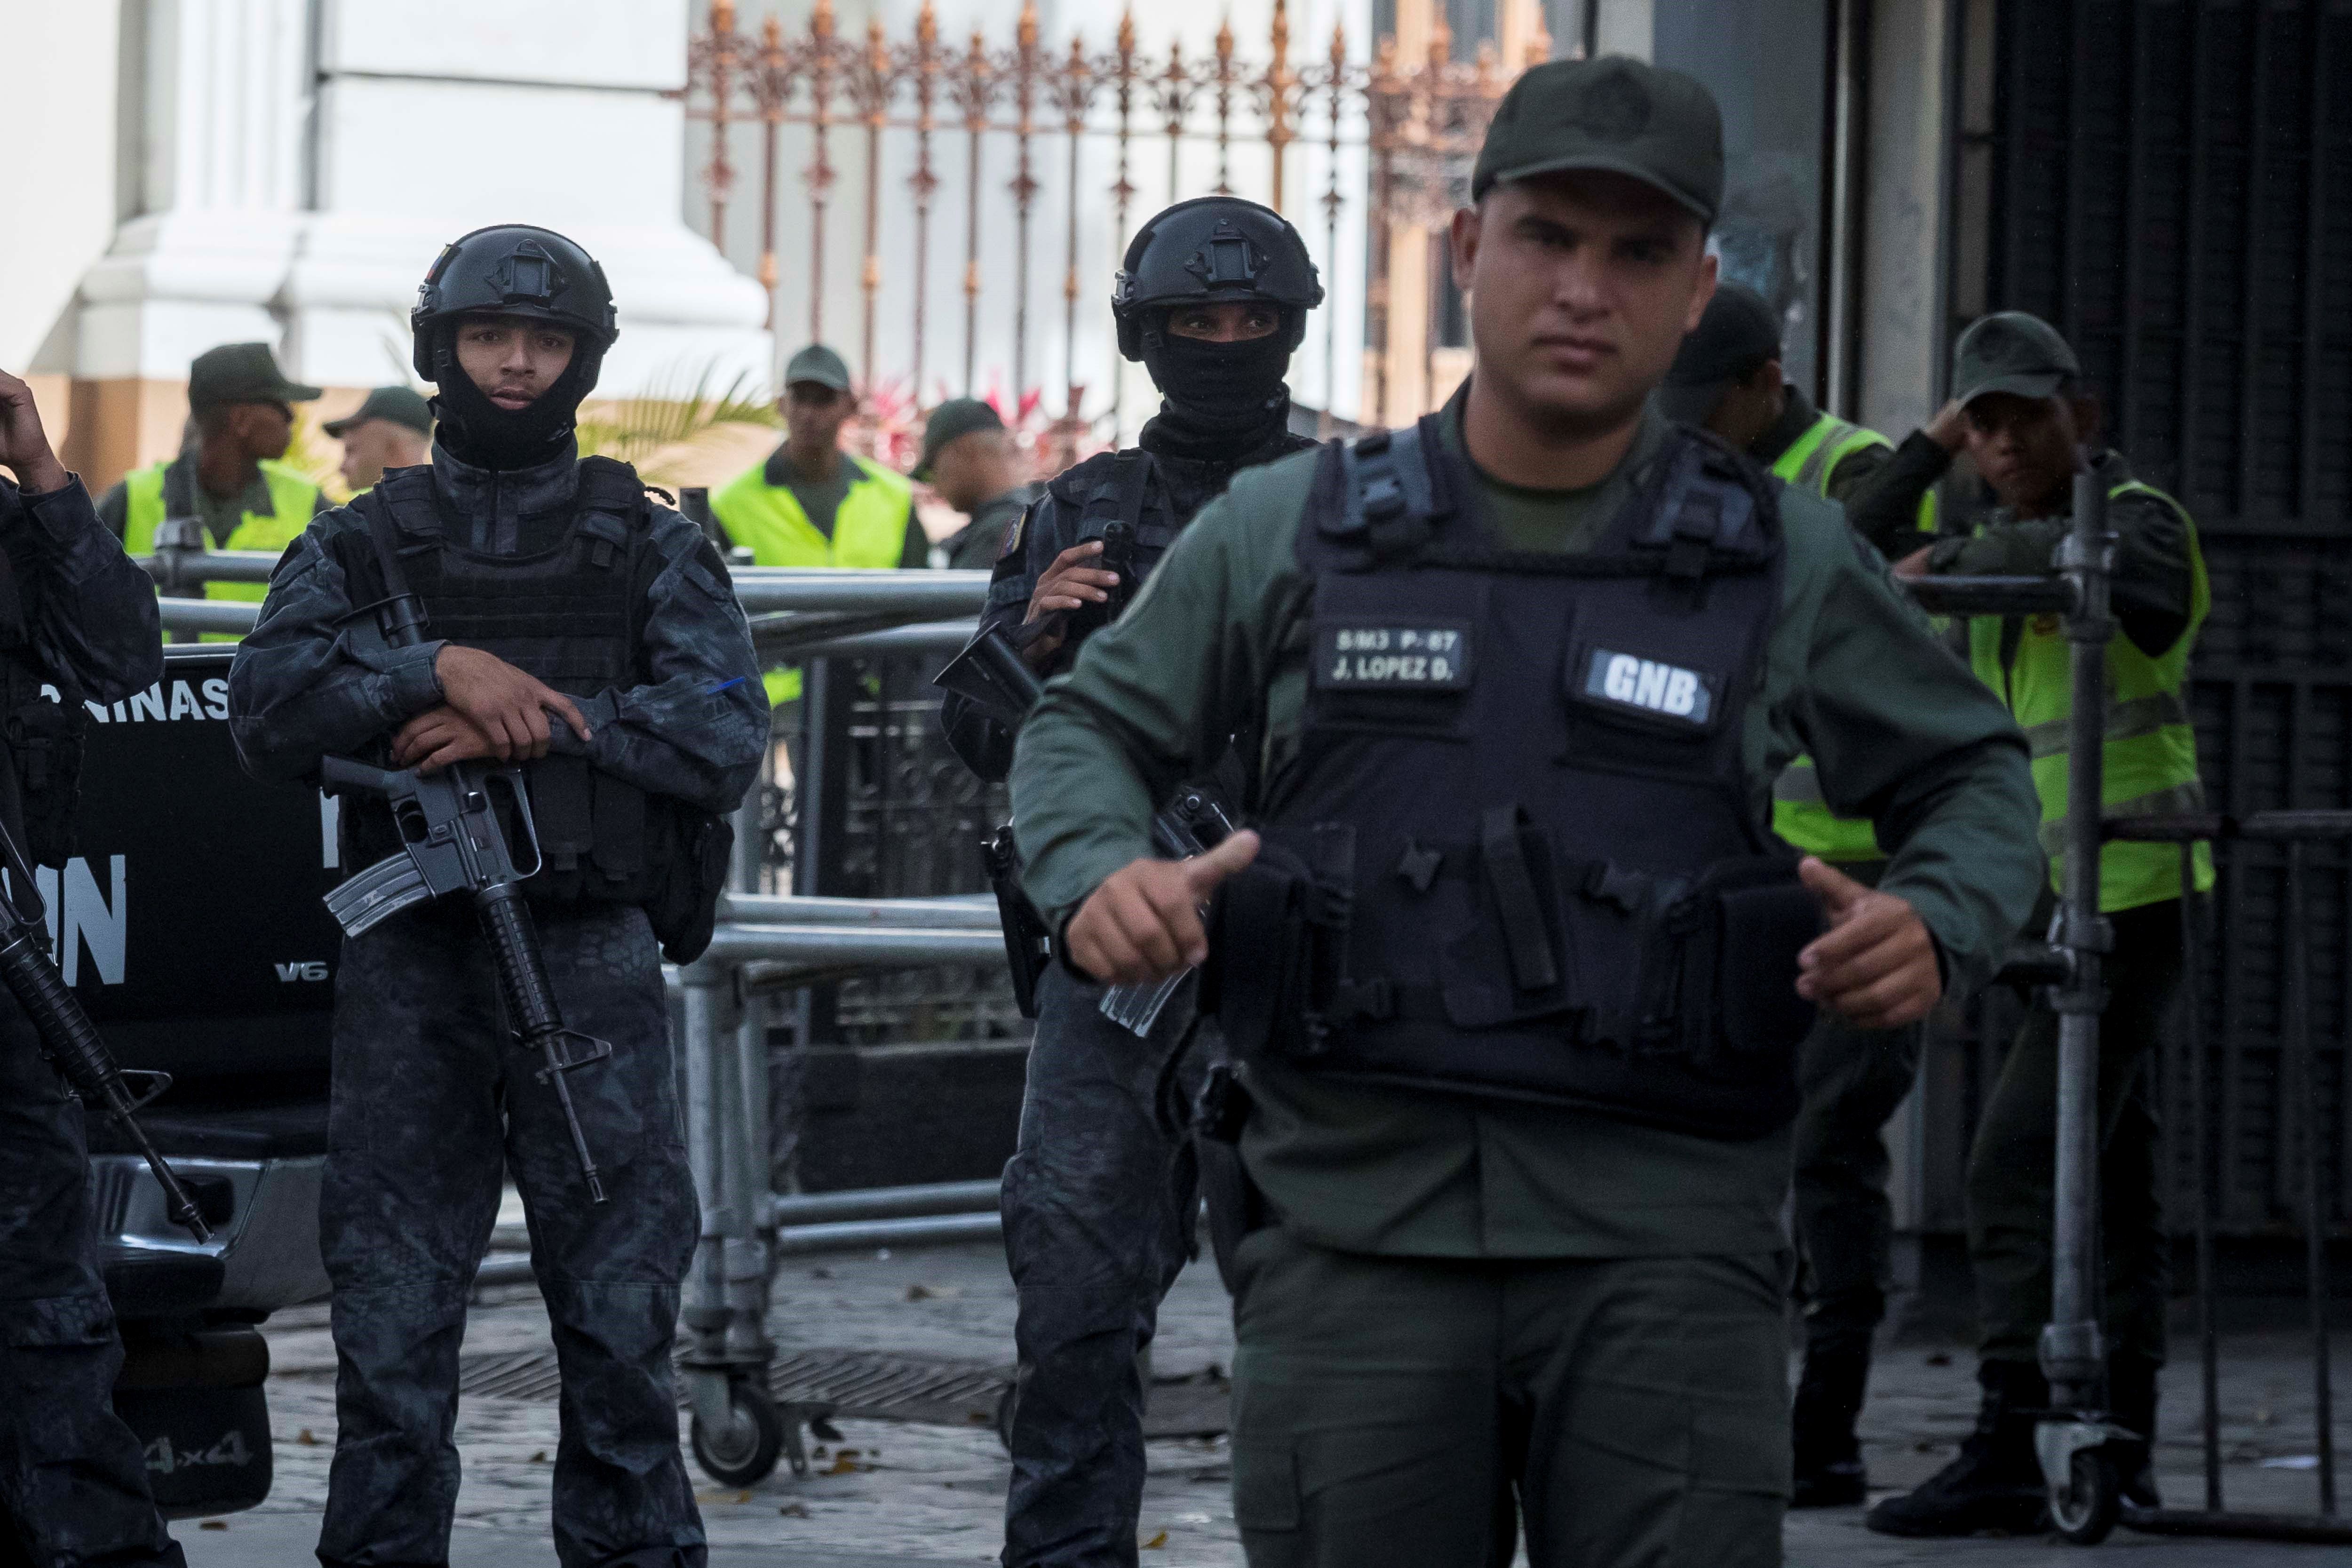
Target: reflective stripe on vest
(1799, 815)
(869, 530)
(2150, 746)
(292, 498)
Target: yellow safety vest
(292, 498)
(1799, 815)
(2150, 750)
(869, 530)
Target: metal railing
(2073, 1439)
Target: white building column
(219, 163)
(303, 161)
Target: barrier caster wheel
(2086, 1507)
(743, 1452)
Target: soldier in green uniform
(969, 459)
(1728, 379)
(234, 481)
(2027, 422)
(1513, 975)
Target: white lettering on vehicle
(180, 701)
(79, 916)
(307, 969)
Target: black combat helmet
(1209, 250)
(511, 269)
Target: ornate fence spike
(922, 66)
(1022, 68)
(974, 90)
(1122, 71)
(1074, 90)
(818, 176)
(1222, 74)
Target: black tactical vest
(1519, 854)
(571, 615)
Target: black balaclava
(479, 432)
(1217, 400)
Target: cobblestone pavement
(897, 1493)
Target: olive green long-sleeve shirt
(1903, 734)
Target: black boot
(1996, 1483)
(2131, 1403)
(1829, 1470)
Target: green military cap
(242, 373)
(956, 416)
(2012, 352)
(818, 364)
(1616, 114)
(400, 404)
(1739, 331)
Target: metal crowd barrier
(2071, 1440)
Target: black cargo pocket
(1257, 979)
(682, 903)
(1764, 929)
(1513, 963)
(1266, 1487)
(1743, 1018)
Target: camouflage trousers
(431, 1097)
(1098, 1219)
(73, 1484)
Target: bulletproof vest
(570, 616)
(1519, 854)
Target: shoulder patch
(1013, 536)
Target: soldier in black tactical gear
(77, 615)
(1099, 1201)
(592, 638)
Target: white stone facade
(289, 169)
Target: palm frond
(670, 417)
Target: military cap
(242, 373)
(956, 417)
(1616, 114)
(400, 404)
(1739, 331)
(818, 364)
(2012, 352)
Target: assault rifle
(991, 674)
(452, 842)
(70, 1041)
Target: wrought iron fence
(899, 816)
(1391, 139)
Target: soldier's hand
(1914, 567)
(439, 736)
(1143, 924)
(1949, 427)
(1071, 583)
(23, 444)
(509, 706)
(1876, 966)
